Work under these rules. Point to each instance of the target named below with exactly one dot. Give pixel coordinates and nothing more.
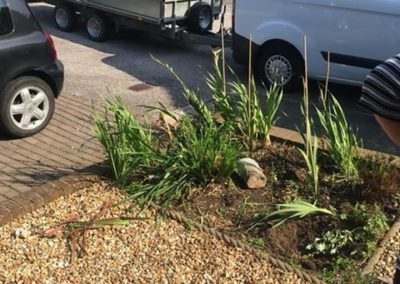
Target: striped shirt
(381, 89)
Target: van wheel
(97, 27)
(26, 106)
(200, 18)
(64, 17)
(282, 66)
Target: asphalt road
(120, 66)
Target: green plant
(267, 119)
(217, 85)
(248, 105)
(343, 271)
(259, 242)
(310, 154)
(127, 144)
(288, 212)
(197, 156)
(370, 221)
(379, 177)
(242, 209)
(191, 96)
(252, 121)
(331, 242)
(340, 140)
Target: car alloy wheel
(29, 108)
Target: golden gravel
(385, 268)
(146, 251)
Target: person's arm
(391, 128)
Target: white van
(358, 35)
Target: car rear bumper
(55, 73)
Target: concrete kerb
(41, 195)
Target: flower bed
(324, 210)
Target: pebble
(146, 251)
(386, 266)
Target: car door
(23, 45)
(6, 29)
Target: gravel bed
(385, 268)
(146, 251)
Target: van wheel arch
(289, 53)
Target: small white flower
(320, 247)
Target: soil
(230, 207)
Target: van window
(6, 24)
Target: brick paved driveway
(64, 147)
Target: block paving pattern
(65, 147)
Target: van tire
(200, 18)
(284, 56)
(65, 18)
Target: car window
(6, 24)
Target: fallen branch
(78, 230)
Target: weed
(343, 271)
(189, 225)
(371, 222)
(259, 242)
(379, 178)
(242, 209)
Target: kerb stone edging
(40, 195)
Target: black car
(31, 77)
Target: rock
(251, 173)
(21, 233)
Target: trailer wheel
(64, 17)
(200, 18)
(97, 27)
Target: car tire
(97, 27)
(26, 106)
(283, 62)
(200, 18)
(65, 18)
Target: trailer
(190, 20)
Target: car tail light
(233, 13)
(52, 46)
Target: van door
(365, 32)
